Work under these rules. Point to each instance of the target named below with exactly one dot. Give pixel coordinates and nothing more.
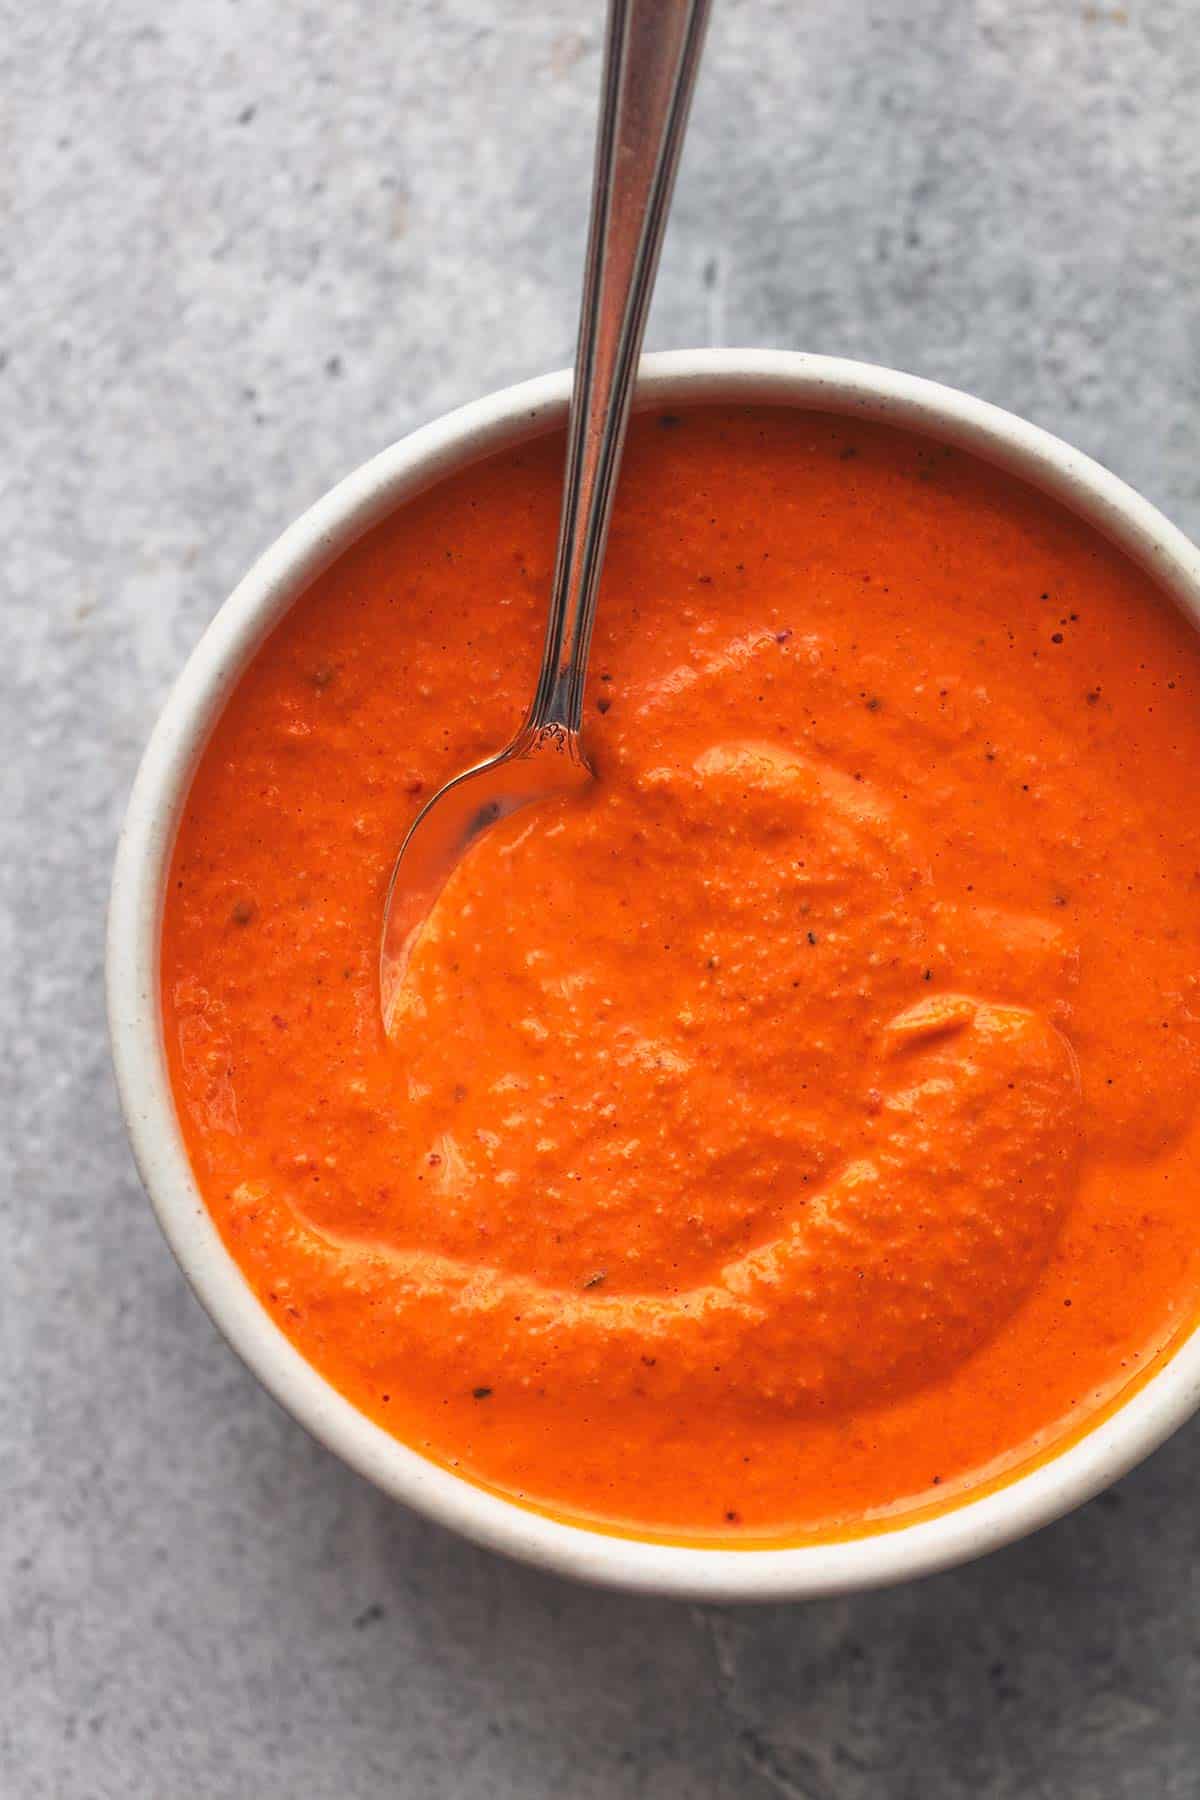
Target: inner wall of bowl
(368, 495)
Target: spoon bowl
(538, 764)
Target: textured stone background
(244, 244)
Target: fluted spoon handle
(651, 60)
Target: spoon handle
(651, 59)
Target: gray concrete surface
(245, 244)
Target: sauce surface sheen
(797, 1128)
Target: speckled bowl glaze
(681, 378)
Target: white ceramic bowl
(678, 379)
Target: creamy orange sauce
(798, 1127)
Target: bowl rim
(879, 1557)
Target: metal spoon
(651, 60)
